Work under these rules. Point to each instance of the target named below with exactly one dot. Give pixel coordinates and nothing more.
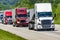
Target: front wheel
(14, 25)
(31, 26)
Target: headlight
(18, 22)
(39, 21)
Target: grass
(4, 35)
(57, 19)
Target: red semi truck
(20, 17)
(8, 17)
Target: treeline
(30, 3)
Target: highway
(31, 34)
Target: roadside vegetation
(4, 35)
(57, 19)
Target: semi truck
(1, 16)
(8, 17)
(20, 17)
(41, 17)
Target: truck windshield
(22, 15)
(8, 16)
(44, 14)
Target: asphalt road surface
(31, 34)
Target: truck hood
(45, 18)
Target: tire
(17, 25)
(31, 27)
(13, 25)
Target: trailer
(41, 17)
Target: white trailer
(30, 13)
(13, 15)
(42, 17)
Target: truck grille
(46, 23)
(9, 21)
(23, 21)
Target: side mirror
(54, 15)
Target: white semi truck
(41, 17)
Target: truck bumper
(8, 22)
(46, 27)
(22, 24)
(25, 24)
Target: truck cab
(8, 17)
(21, 17)
(43, 17)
